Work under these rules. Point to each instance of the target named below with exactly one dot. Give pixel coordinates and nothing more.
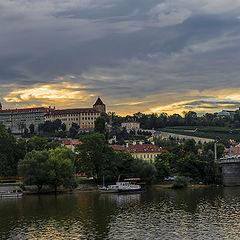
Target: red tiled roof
(139, 148)
(20, 110)
(98, 102)
(76, 142)
(66, 141)
(142, 148)
(119, 147)
(73, 142)
(76, 110)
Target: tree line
(41, 162)
(190, 159)
(190, 118)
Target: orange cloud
(56, 92)
(64, 95)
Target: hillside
(224, 133)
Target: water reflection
(207, 213)
(122, 199)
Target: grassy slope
(206, 132)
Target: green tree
(33, 168)
(20, 148)
(191, 166)
(9, 149)
(25, 132)
(100, 126)
(124, 162)
(63, 127)
(145, 170)
(190, 146)
(180, 182)
(190, 118)
(91, 154)
(162, 164)
(53, 145)
(36, 143)
(210, 146)
(73, 131)
(31, 128)
(61, 168)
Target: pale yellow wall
(131, 125)
(145, 156)
(84, 120)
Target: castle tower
(99, 105)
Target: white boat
(128, 187)
(125, 186)
(8, 194)
(109, 189)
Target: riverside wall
(230, 172)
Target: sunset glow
(165, 56)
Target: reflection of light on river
(199, 214)
(122, 199)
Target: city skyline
(155, 56)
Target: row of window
(144, 156)
(75, 114)
(88, 123)
(77, 119)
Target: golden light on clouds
(128, 103)
(62, 91)
(67, 95)
(171, 108)
(207, 100)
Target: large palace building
(84, 117)
(19, 119)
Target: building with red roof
(70, 143)
(17, 120)
(142, 151)
(131, 125)
(83, 117)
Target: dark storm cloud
(121, 49)
(211, 104)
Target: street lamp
(215, 150)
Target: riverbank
(29, 190)
(169, 186)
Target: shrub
(180, 182)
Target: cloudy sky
(138, 55)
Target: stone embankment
(230, 171)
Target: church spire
(99, 105)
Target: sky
(137, 55)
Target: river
(204, 213)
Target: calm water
(211, 213)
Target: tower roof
(98, 102)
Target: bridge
(230, 171)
